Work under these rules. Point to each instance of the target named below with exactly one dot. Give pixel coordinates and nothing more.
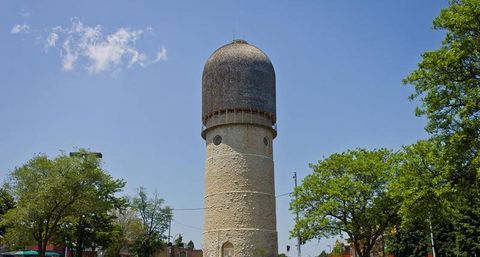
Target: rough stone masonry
(239, 125)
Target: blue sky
(124, 78)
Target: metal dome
(238, 76)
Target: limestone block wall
(239, 192)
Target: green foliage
(348, 193)
(147, 245)
(421, 182)
(428, 196)
(154, 219)
(91, 223)
(114, 248)
(6, 200)
(447, 82)
(447, 79)
(179, 241)
(338, 249)
(190, 245)
(323, 254)
(128, 228)
(6, 203)
(50, 193)
(410, 240)
(282, 255)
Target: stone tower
(239, 125)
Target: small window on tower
(265, 140)
(217, 140)
(227, 249)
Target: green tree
(282, 255)
(6, 203)
(91, 222)
(87, 231)
(421, 183)
(48, 191)
(447, 82)
(428, 198)
(155, 218)
(348, 193)
(190, 245)
(323, 254)
(424, 190)
(179, 241)
(410, 240)
(338, 249)
(128, 228)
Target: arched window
(227, 249)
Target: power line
(189, 209)
(188, 226)
(283, 194)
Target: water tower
(239, 117)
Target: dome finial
(239, 41)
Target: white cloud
(100, 52)
(68, 57)
(94, 50)
(109, 52)
(161, 55)
(20, 28)
(51, 40)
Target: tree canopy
(179, 241)
(447, 81)
(190, 245)
(6, 203)
(348, 193)
(155, 219)
(49, 191)
(90, 224)
(323, 254)
(128, 228)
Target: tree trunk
(79, 246)
(39, 245)
(78, 251)
(367, 250)
(42, 248)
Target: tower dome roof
(238, 76)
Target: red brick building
(174, 251)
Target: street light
(83, 154)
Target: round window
(265, 140)
(217, 140)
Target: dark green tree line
(51, 194)
(447, 81)
(347, 193)
(436, 183)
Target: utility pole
(170, 244)
(431, 237)
(296, 220)
(169, 226)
